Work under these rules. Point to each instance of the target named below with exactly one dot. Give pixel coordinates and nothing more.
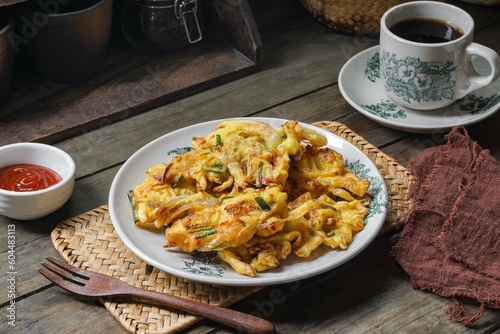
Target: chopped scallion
(225, 197)
(176, 183)
(218, 167)
(260, 171)
(206, 233)
(263, 204)
(218, 141)
(131, 199)
(243, 134)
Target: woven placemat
(89, 241)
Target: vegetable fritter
(254, 195)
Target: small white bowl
(29, 205)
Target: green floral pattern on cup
(372, 70)
(472, 104)
(415, 80)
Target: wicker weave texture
(89, 241)
(483, 2)
(350, 16)
(360, 16)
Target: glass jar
(162, 24)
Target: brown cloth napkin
(450, 243)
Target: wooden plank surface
(298, 80)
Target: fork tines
(62, 270)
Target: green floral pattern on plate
(207, 264)
(379, 200)
(179, 150)
(477, 105)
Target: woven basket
(350, 16)
(483, 2)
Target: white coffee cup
(424, 75)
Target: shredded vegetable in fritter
(254, 195)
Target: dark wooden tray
(132, 81)
(6, 3)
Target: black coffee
(426, 30)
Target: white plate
(148, 243)
(360, 84)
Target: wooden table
(302, 60)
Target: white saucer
(360, 84)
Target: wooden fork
(92, 284)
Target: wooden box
(132, 81)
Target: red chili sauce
(27, 177)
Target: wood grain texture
(298, 80)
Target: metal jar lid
(182, 9)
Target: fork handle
(234, 319)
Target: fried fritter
(254, 194)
